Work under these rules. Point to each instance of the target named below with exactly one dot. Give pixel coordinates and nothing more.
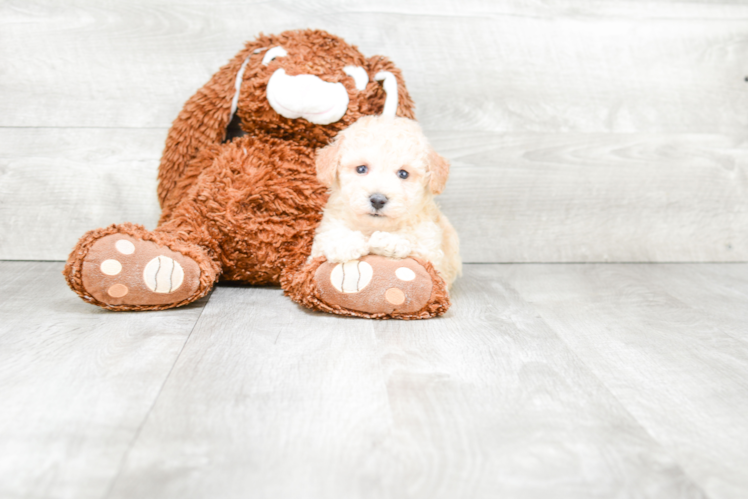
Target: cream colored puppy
(383, 175)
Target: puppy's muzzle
(378, 201)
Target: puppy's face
(375, 184)
(382, 169)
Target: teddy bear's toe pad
(375, 285)
(122, 270)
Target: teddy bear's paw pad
(375, 285)
(123, 270)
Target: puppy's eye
(403, 174)
(362, 169)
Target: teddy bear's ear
(202, 122)
(438, 172)
(384, 71)
(328, 159)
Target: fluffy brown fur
(203, 120)
(301, 288)
(246, 210)
(74, 266)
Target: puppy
(383, 175)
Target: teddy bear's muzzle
(308, 97)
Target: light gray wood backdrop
(579, 130)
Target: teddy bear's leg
(124, 267)
(371, 287)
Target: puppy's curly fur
(383, 174)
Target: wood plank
(716, 291)
(575, 65)
(76, 382)
(512, 197)
(266, 400)
(597, 197)
(679, 371)
(56, 184)
(269, 400)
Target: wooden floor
(543, 380)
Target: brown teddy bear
(239, 194)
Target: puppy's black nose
(377, 200)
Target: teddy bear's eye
(359, 75)
(273, 53)
(403, 174)
(362, 169)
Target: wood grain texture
(76, 382)
(670, 342)
(266, 400)
(56, 184)
(574, 65)
(270, 400)
(581, 131)
(543, 380)
(512, 197)
(597, 197)
(715, 291)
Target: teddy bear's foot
(371, 287)
(121, 270)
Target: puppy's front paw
(352, 247)
(389, 245)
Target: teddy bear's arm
(200, 124)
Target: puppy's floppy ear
(327, 162)
(438, 172)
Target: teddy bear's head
(307, 85)
(303, 86)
